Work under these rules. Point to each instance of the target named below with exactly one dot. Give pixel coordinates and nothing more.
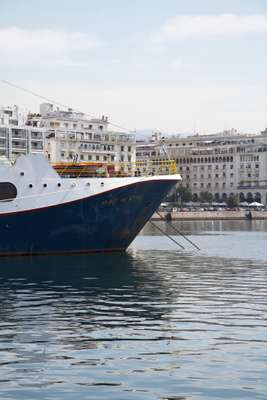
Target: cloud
(195, 26)
(23, 46)
(177, 64)
(167, 108)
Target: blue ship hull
(104, 222)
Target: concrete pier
(211, 215)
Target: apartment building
(71, 136)
(16, 137)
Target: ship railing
(113, 169)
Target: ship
(43, 213)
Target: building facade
(16, 137)
(223, 164)
(64, 136)
(70, 136)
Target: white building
(16, 137)
(70, 136)
(223, 164)
(64, 136)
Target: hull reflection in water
(143, 325)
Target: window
(8, 191)
(129, 149)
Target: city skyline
(175, 67)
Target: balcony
(3, 133)
(18, 134)
(37, 145)
(36, 136)
(3, 142)
(19, 146)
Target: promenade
(211, 215)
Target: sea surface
(157, 322)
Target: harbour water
(154, 323)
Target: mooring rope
(177, 231)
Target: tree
(205, 197)
(184, 194)
(232, 201)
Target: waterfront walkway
(211, 215)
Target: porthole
(102, 183)
(8, 191)
(59, 184)
(22, 174)
(45, 185)
(30, 185)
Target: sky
(171, 65)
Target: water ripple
(150, 324)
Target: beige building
(223, 164)
(70, 136)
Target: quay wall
(211, 215)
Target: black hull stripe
(58, 253)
